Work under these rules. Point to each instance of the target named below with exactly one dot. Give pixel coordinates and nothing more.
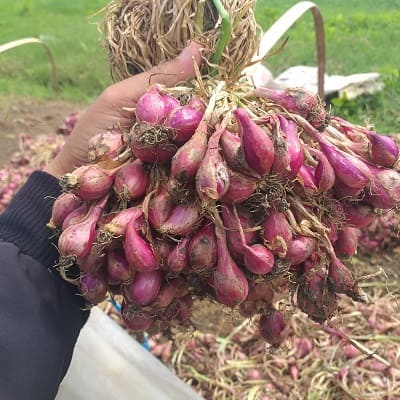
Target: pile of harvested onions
(382, 234)
(34, 153)
(224, 193)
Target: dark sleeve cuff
(24, 221)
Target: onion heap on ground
(224, 192)
(34, 153)
(382, 234)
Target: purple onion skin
(359, 214)
(289, 153)
(77, 240)
(186, 161)
(118, 268)
(315, 298)
(307, 179)
(91, 264)
(198, 104)
(75, 216)
(257, 145)
(93, 288)
(344, 192)
(139, 253)
(383, 150)
(131, 180)
(104, 146)
(300, 249)
(182, 220)
(171, 102)
(183, 121)
(258, 259)
(346, 243)
(235, 242)
(340, 279)
(178, 259)
(277, 233)
(212, 178)
(161, 207)
(151, 107)
(272, 326)
(324, 173)
(62, 206)
(232, 150)
(299, 101)
(350, 170)
(117, 225)
(230, 283)
(240, 188)
(161, 153)
(384, 191)
(134, 320)
(202, 249)
(144, 288)
(93, 182)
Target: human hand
(107, 111)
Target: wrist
(59, 166)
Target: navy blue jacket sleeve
(40, 314)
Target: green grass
(70, 30)
(361, 36)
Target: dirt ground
(31, 116)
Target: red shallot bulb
(315, 298)
(178, 259)
(104, 145)
(212, 178)
(152, 107)
(384, 151)
(272, 326)
(76, 241)
(186, 161)
(89, 182)
(234, 225)
(240, 188)
(182, 220)
(288, 149)
(232, 150)
(118, 268)
(300, 248)
(138, 251)
(257, 145)
(62, 206)
(230, 283)
(299, 101)
(76, 216)
(183, 121)
(202, 249)
(346, 243)
(160, 207)
(277, 233)
(144, 288)
(93, 288)
(136, 321)
(131, 181)
(258, 259)
(151, 144)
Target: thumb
(168, 73)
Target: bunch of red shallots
(228, 194)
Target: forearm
(40, 314)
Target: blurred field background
(361, 36)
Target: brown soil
(30, 116)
